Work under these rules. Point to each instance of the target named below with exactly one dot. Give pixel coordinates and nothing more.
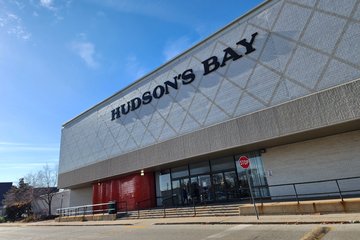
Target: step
(201, 211)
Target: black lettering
(248, 45)
(158, 93)
(229, 54)
(210, 65)
(188, 76)
(135, 103)
(174, 85)
(115, 113)
(123, 111)
(146, 97)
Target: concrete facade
(274, 126)
(287, 72)
(336, 156)
(81, 196)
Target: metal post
(296, 194)
(341, 196)
(138, 208)
(61, 203)
(251, 194)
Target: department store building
(280, 85)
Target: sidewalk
(344, 218)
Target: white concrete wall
(336, 156)
(39, 206)
(80, 196)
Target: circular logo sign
(244, 162)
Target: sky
(59, 58)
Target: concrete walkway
(344, 218)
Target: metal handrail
(138, 205)
(317, 181)
(126, 206)
(298, 195)
(85, 209)
(176, 206)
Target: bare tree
(44, 185)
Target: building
(4, 188)
(279, 85)
(59, 199)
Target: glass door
(219, 186)
(200, 189)
(176, 192)
(181, 191)
(185, 191)
(230, 182)
(205, 188)
(225, 186)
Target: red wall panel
(131, 189)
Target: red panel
(131, 189)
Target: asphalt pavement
(344, 218)
(183, 232)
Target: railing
(174, 204)
(138, 205)
(91, 209)
(298, 194)
(119, 206)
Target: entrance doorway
(225, 186)
(215, 180)
(181, 190)
(201, 189)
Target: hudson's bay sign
(209, 65)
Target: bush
(17, 212)
(30, 218)
(2, 219)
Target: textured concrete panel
(352, 93)
(338, 7)
(260, 125)
(292, 20)
(323, 31)
(223, 135)
(302, 114)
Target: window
(221, 164)
(178, 172)
(199, 168)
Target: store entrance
(225, 186)
(181, 190)
(201, 189)
(208, 181)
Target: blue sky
(59, 58)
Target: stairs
(201, 211)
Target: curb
(189, 223)
(259, 223)
(67, 225)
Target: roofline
(170, 61)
